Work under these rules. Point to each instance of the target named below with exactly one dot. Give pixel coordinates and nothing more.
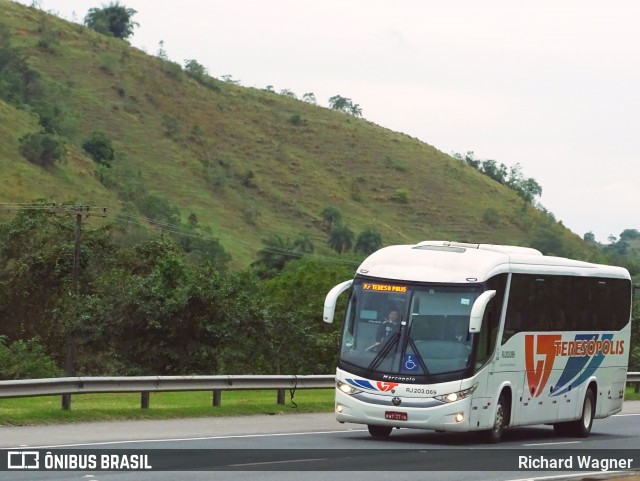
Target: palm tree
(275, 253)
(341, 238)
(368, 241)
(331, 217)
(303, 244)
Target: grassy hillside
(248, 163)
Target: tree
(195, 69)
(310, 98)
(344, 104)
(99, 147)
(630, 234)
(290, 329)
(495, 171)
(368, 241)
(41, 148)
(355, 110)
(341, 238)
(288, 93)
(114, 20)
(303, 244)
(275, 253)
(19, 84)
(331, 216)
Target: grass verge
(169, 405)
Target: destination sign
(383, 288)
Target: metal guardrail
(634, 378)
(148, 384)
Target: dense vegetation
(149, 308)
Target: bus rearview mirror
(331, 299)
(477, 310)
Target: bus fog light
(339, 408)
(459, 417)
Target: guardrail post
(217, 397)
(66, 401)
(637, 387)
(280, 396)
(144, 400)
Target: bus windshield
(419, 331)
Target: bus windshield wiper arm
(415, 349)
(383, 352)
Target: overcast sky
(553, 85)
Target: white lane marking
(168, 440)
(551, 444)
(279, 462)
(565, 476)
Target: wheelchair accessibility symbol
(409, 363)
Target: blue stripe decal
(596, 360)
(574, 365)
(361, 383)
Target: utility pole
(80, 212)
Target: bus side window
(513, 325)
(488, 335)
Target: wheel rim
(498, 425)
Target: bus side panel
(498, 382)
(611, 392)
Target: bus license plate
(395, 415)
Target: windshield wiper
(393, 340)
(417, 354)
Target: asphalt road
(321, 442)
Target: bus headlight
(456, 396)
(346, 388)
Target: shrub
(170, 125)
(296, 119)
(159, 209)
(25, 360)
(401, 196)
(41, 148)
(490, 217)
(99, 147)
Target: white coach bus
(473, 337)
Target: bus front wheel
(379, 431)
(500, 422)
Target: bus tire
(581, 428)
(379, 431)
(500, 422)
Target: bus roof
(451, 262)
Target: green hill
(246, 163)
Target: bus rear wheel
(580, 428)
(379, 431)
